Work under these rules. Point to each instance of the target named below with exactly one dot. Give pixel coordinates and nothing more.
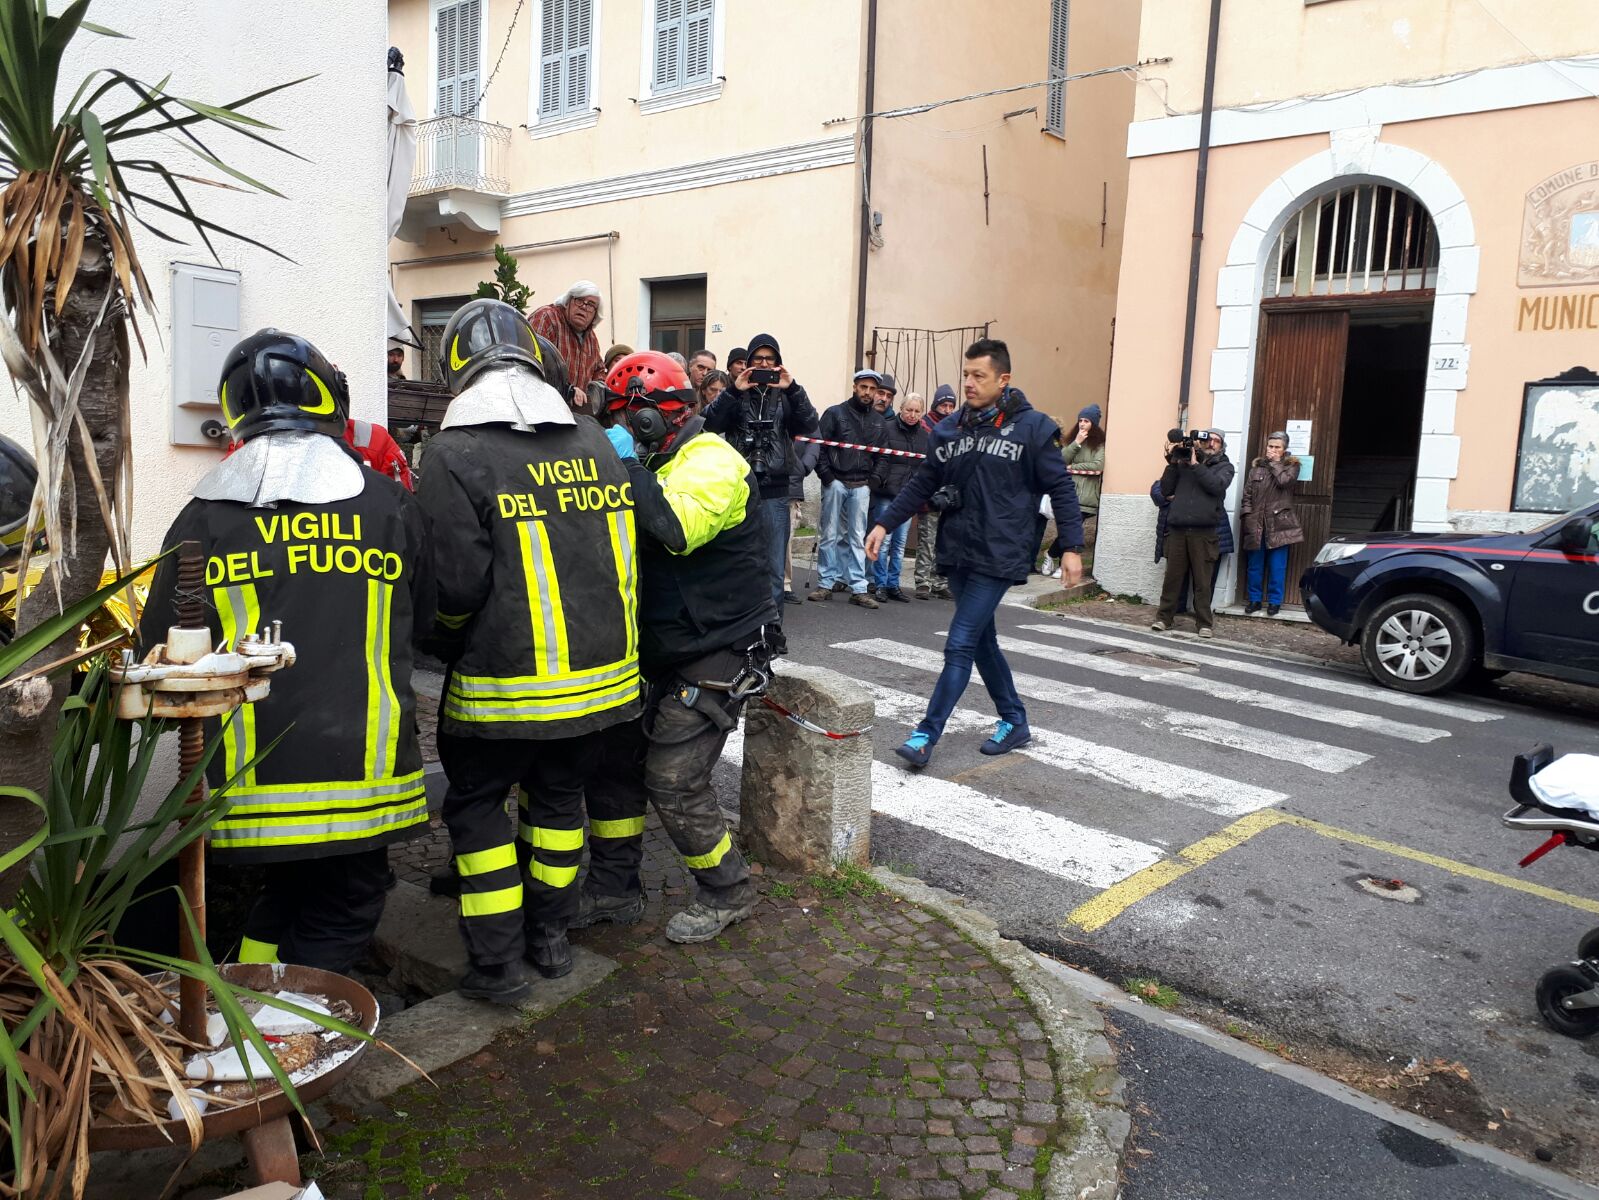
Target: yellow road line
(1094, 914)
(1465, 870)
(1104, 908)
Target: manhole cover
(1154, 662)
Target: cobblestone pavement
(838, 1043)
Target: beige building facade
(703, 161)
(1400, 264)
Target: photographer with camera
(985, 472)
(1195, 481)
(846, 496)
(759, 416)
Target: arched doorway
(1346, 316)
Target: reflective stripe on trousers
(553, 855)
(616, 801)
(684, 747)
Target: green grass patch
(1152, 991)
(783, 891)
(846, 879)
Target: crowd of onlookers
(754, 402)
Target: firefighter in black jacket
(702, 627)
(533, 517)
(293, 528)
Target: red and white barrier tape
(901, 453)
(809, 726)
(858, 446)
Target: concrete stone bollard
(806, 800)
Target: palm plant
(76, 186)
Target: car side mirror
(1576, 535)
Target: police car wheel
(1418, 643)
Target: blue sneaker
(917, 750)
(1006, 737)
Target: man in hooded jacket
(760, 421)
(986, 471)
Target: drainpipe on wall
(866, 180)
(1201, 173)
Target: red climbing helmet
(654, 371)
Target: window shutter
(444, 55)
(667, 76)
(551, 31)
(469, 32)
(697, 43)
(579, 47)
(1055, 105)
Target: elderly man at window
(569, 323)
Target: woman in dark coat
(1270, 525)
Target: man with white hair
(569, 323)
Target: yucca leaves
(50, 160)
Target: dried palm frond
(70, 196)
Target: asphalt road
(1147, 746)
(1209, 1127)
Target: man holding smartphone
(759, 416)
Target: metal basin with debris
(267, 1133)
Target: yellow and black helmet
(18, 474)
(274, 380)
(483, 333)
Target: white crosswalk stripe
(1217, 731)
(1029, 836)
(1220, 689)
(1154, 777)
(1299, 678)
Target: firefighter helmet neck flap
(499, 372)
(288, 405)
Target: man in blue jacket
(985, 472)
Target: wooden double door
(1299, 376)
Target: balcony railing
(460, 152)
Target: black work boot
(446, 881)
(549, 951)
(618, 910)
(499, 983)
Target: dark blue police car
(1431, 609)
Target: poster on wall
(1557, 461)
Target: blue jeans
(1273, 564)
(776, 515)
(841, 549)
(891, 558)
(972, 639)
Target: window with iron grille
(1366, 238)
(566, 50)
(431, 318)
(682, 45)
(457, 58)
(1055, 98)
